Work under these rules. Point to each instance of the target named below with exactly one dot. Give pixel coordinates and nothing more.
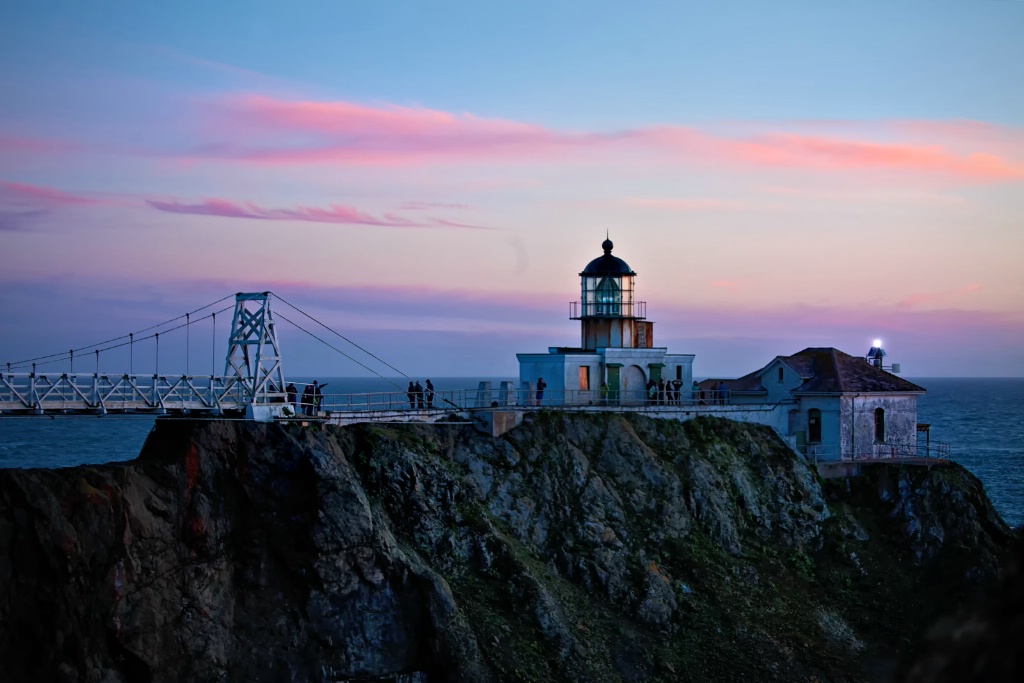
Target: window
(584, 378)
(679, 372)
(609, 297)
(879, 425)
(813, 426)
(782, 375)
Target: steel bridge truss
(42, 392)
(254, 356)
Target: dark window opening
(814, 425)
(781, 375)
(879, 425)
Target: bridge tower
(254, 357)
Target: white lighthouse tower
(616, 346)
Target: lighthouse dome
(607, 264)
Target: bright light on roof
(877, 343)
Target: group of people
(665, 393)
(420, 396)
(716, 395)
(312, 398)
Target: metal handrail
(522, 399)
(599, 309)
(935, 450)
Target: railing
(634, 397)
(41, 392)
(470, 399)
(595, 309)
(62, 392)
(935, 450)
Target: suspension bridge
(252, 385)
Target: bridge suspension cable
(334, 348)
(131, 337)
(341, 336)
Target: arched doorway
(633, 385)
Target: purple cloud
(335, 213)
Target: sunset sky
(429, 178)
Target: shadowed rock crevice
(576, 547)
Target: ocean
(981, 419)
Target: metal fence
(935, 450)
(473, 399)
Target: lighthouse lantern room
(616, 359)
(608, 313)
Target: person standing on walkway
(418, 391)
(412, 396)
(292, 395)
(307, 400)
(541, 386)
(429, 394)
(318, 396)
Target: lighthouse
(616, 349)
(607, 311)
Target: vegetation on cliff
(576, 547)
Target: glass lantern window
(607, 295)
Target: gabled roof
(830, 370)
(749, 383)
(824, 370)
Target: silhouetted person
(412, 396)
(307, 400)
(429, 394)
(418, 391)
(292, 394)
(318, 396)
(541, 386)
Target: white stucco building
(839, 406)
(616, 346)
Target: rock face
(578, 548)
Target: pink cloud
(347, 132)
(816, 152)
(21, 203)
(301, 132)
(43, 195)
(944, 298)
(335, 213)
(33, 145)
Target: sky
(427, 179)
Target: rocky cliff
(576, 548)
